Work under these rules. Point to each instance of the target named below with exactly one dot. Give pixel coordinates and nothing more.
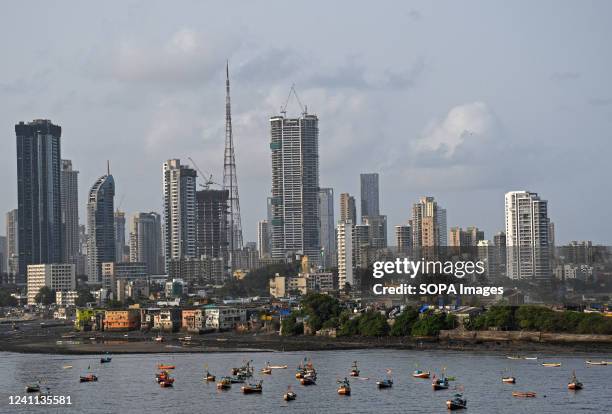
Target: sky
(463, 101)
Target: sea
(127, 384)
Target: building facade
(146, 242)
(428, 224)
(100, 226)
(346, 253)
(70, 211)
(39, 193)
(295, 186)
(348, 209)
(57, 277)
(263, 239)
(212, 223)
(403, 238)
(12, 242)
(120, 246)
(327, 228)
(369, 194)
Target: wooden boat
(514, 357)
(589, 362)
(439, 384)
(551, 364)
(354, 370)
(421, 374)
(224, 384)
(345, 387)
(300, 373)
(88, 378)
(509, 380)
(209, 377)
(252, 388)
(289, 395)
(531, 358)
(387, 383)
(168, 382)
(67, 367)
(278, 366)
(165, 367)
(524, 394)
(266, 369)
(105, 360)
(308, 380)
(32, 387)
(574, 384)
(456, 403)
(237, 379)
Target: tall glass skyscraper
(295, 186)
(38, 193)
(70, 211)
(100, 226)
(369, 195)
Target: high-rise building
(39, 193)
(527, 236)
(180, 226)
(377, 230)
(348, 210)
(230, 178)
(119, 236)
(212, 223)
(100, 226)
(263, 239)
(403, 238)
(59, 277)
(12, 242)
(369, 195)
(295, 186)
(70, 211)
(327, 228)
(346, 254)
(465, 238)
(3, 255)
(428, 224)
(146, 242)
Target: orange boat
(354, 370)
(224, 384)
(252, 388)
(162, 366)
(421, 374)
(167, 382)
(345, 387)
(524, 394)
(89, 378)
(574, 385)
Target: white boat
(589, 362)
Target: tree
(430, 324)
(501, 317)
(6, 299)
(290, 327)
(320, 308)
(404, 322)
(45, 295)
(373, 324)
(84, 297)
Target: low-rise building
(281, 286)
(193, 320)
(121, 320)
(112, 272)
(56, 276)
(320, 281)
(66, 298)
(222, 318)
(167, 320)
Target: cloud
(565, 76)
(414, 15)
(600, 101)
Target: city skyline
(357, 94)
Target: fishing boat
(524, 394)
(106, 359)
(344, 387)
(354, 370)
(439, 383)
(224, 384)
(551, 364)
(309, 378)
(531, 358)
(256, 388)
(278, 366)
(266, 369)
(32, 387)
(237, 379)
(421, 374)
(159, 338)
(162, 376)
(509, 380)
(209, 377)
(514, 357)
(67, 367)
(386, 383)
(574, 384)
(167, 382)
(457, 402)
(246, 370)
(589, 362)
(289, 396)
(166, 366)
(88, 378)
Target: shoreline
(62, 340)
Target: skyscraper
(348, 210)
(295, 186)
(146, 242)
(327, 228)
(180, 229)
(12, 242)
(3, 255)
(428, 224)
(263, 239)
(230, 178)
(527, 236)
(346, 253)
(70, 211)
(38, 193)
(403, 238)
(100, 226)
(212, 223)
(377, 230)
(465, 238)
(369, 195)
(119, 235)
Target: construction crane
(283, 109)
(208, 181)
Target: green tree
(45, 295)
(373, 324)
(84, 297)
(404, 322)
(320, 308)
(430, 324)
(501, 317)
(290, 326)
(6, 299)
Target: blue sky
(460, 100)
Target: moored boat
(574, 384)
(105, 360)
(266, 369)
(88, 378)
(308, 380)
(524, 394)
(252, 388)
(32, 387)
(387, 383)
(589, 362)
(224, 384)
(209, 377)
(167, 382)
(278, 366)
(457, 402)
(354, 370)
(439, 383)
(509, 380)
(421, 374)
(344, 387)
(289, 395)
(551, 364)
(165, 366)
(514, 357)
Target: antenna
(107, 167)
(293, 92)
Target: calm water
(127, 384)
